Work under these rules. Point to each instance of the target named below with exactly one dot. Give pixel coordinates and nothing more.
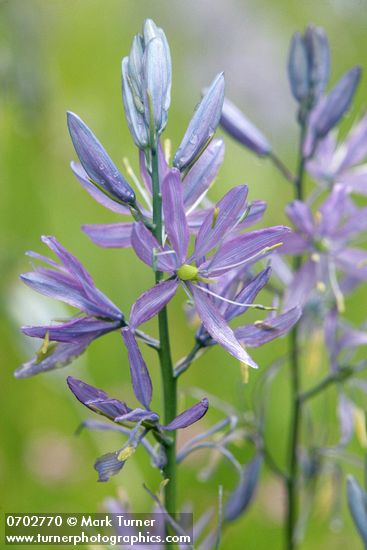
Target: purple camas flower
(117, 411)
(325, 238)
(194, 271)
(69, 282)
(340, 163)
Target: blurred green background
(57, 55)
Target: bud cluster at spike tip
(309, 65)
(146, 84)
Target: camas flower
(340, 163)
(143, 419)
(195, 271)
(326, 239)
(195, 185)
(69, 282)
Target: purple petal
(188, 417)
(244, 250)
(97, 400)
(242, 497)
(138, 415)
(96, 193)
(140, 378)
(295, 244)
(174, 214)
(112, 235)
(301, 216)
(96, 161)
(247, 294)
(241, 129)
(203, 172)
(346, 419)
(109, 465)
(57, 356)
(218, 328)
(332, 210)
(304, 282)
(262, 332)
(146, 246)
(150, 303)
(354, 148)
(73, 330)
(355, 179)
(353, 261)
(220, 221)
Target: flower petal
(240, 499)
(301, 216)
(247, 294)
(188, 417)
(96, 400)
(111, 235)
(59, 355)
(72, 331)
(174, 214)
(151, 302)
(96, 193)
(220, 221)
(244, 250)
(218, 328)
(203, 172)
(147, 248)
(262, 332)
(332, 210)
(140, 378)
(304, 282)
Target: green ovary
(188, 272)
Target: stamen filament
(255, 306)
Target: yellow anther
(321, 287)
(126, 453)
(315, 257)
(215, 216)
(318, 217)
(45, 344)
(244, 372)
(167, 148)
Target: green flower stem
(295, 429)
(164, 352)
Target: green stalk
(292, 497)
(168, 379)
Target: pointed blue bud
(97, 163)
(202, 126)
(337, 103)
(309, 65)
(134, 115)
(357, 502)
(298, 68)
(317, 45)
(242, 130)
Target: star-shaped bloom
(217, 235)
(342, 163)
(326, 238)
